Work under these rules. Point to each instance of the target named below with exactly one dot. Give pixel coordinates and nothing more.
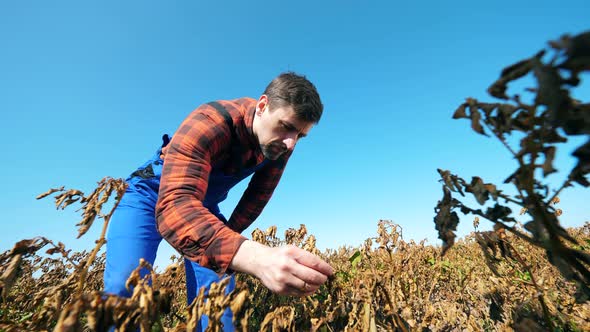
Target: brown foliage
(542, 124)
(386, 284)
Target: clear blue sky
(87, 90)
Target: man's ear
(261, 105)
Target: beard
(273, 150)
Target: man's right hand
(286, 270)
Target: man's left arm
(258, 193)
(285, 270)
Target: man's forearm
(247, 258)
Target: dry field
(387, 284)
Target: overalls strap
(236, 151)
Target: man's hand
(286, 270)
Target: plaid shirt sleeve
(181, 217)
(258, 193)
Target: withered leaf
(476, 120)
(552, 136)
(583, 155)
(502, 121)
(238, 302)
(582, 168)
(580, 177)
(49, 192)
(454, 183)
(460, 112)
(446, 220)
(518, 69)
(529, 145)
(524, 121)
(499, 212)
(551, 94)
(60, 248)
(133, 279)
(491, 188)
(65, 199)
(506, 110)
(68, 319)
(9, 276)
(510, 73)
(578, 53)
(478, 189)
(29, 246)
(487, 108)
(548, 164)
(576, 120)
(522, 176)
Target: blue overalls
(133, 234)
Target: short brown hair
(298, 92)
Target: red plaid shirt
(203, 141)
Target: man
(175, 195)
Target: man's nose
(290, 142)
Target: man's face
(278, 130)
